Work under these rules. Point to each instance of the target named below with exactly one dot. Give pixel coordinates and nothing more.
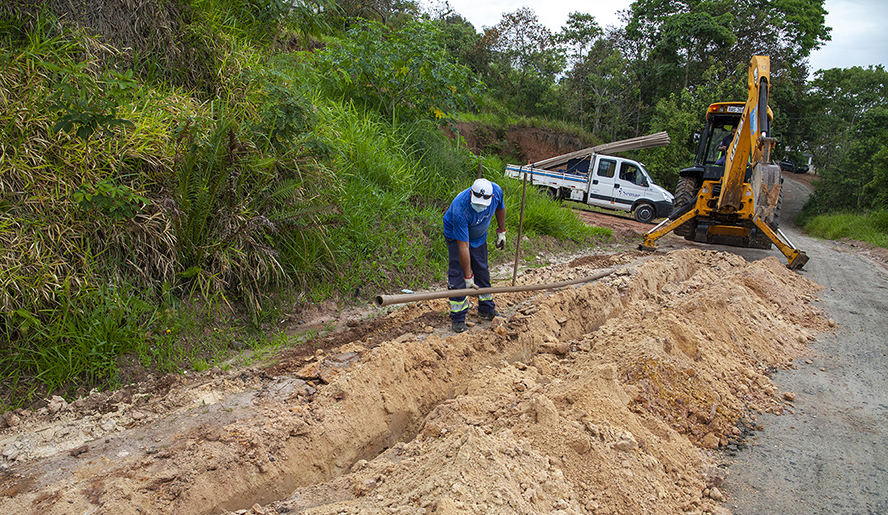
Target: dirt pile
(604, 398)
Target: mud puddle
(602, 398)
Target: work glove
(501, 240)
(470, 283)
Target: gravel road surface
(831, 454)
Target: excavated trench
(592, 399)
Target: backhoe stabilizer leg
(663, 229)
(796, 258)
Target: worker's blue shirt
(462, 223)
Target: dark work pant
(459, 306)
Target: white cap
(482, 188)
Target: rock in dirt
(56, 404)
(710, 441)
(77, 451)
(12, 420)
(555, 347)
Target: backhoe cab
(732, 194)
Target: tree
(603, 92)
(678, 40)
(312, 18)
(869, 152)
(847, 137)
(406, 73)
(464, 43)
(383, 11)
(525, 60)
(577, 37)
(682, 38)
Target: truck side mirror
(696, 137)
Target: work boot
(490, 315)
(459, 327)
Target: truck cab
(709, 163)
(623, 184)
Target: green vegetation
(849, 141)
(871, 227)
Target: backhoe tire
(685, 193)
(759, 240)
(645, 213)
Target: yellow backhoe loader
(733, 193)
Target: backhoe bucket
(766, 191)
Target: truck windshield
(646, 174)
(718, 136)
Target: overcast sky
(859, 27)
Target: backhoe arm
(751, 139)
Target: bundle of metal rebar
(658, 139)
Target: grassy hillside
(157, 206)
(869, 227)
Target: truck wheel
(554, 194)
(685, 193)
(645, 213)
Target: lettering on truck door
(631, 186)
(601, 189)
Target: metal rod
(787, 239)
(661, 224)
(386, 300)
(520, 226)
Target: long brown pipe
(386, 300)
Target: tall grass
(47, 234)
(387, 214)
(869, 227)
(79, 338)
(498, 120)
(182, 200)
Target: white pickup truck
(600, 180)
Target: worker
(725, 143)
(465, 231)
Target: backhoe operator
(725, 143)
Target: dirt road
(621, 396)
(830, 453)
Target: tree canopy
(847, 135)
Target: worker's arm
(500, 219)
(465, 261)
